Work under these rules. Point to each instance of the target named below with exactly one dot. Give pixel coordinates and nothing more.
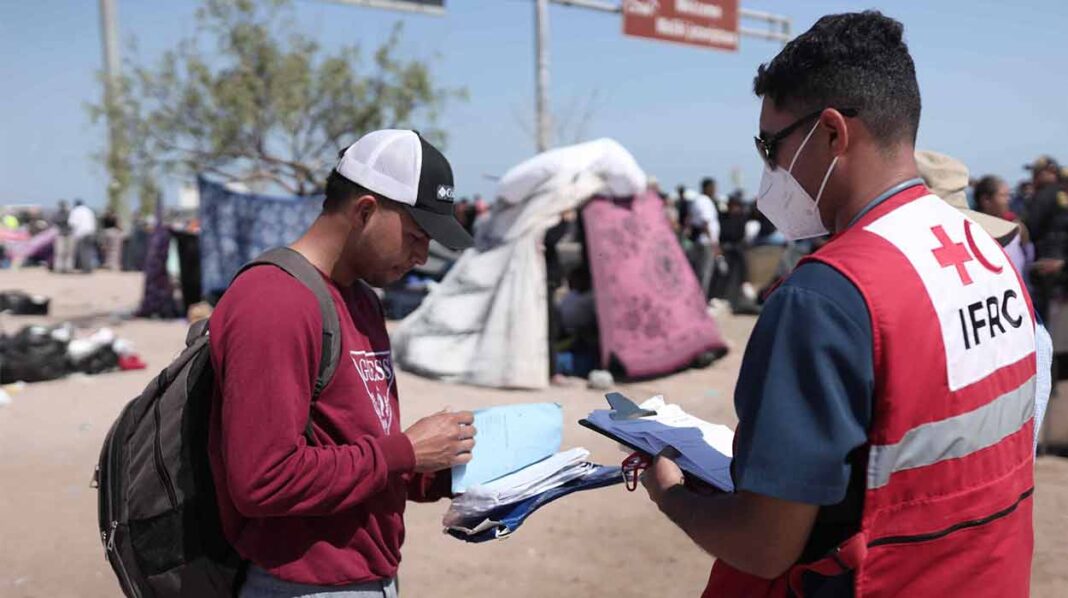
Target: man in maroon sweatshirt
(328, 515)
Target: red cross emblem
(951, 253)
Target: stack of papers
(521, 485)
(509, 438)
(705, 449)
(496, 509)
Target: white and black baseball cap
(401, 166)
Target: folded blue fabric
(506, 519)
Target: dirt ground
(602, 543)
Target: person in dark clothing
(63, 246)
(1045, 172)
(113, 236)
(554, 279)
(1048, 224)
(728, 284)
(683, 207)
(1021, 199)
(577, 313)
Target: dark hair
(339, 190)
(853, 60)
(706, 182)
(579, 279)
(986, 187)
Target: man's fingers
(669, 452)
(464, 432)
(465, 446)
(464, 417)
(461, 459)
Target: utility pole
(109, 34)
(543, 120)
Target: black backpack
(159, 520)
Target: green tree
(250, 99)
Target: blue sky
(991, 74)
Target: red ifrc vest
(947, 503)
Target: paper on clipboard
(705, 449)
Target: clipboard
(585, 423)
(691, 480)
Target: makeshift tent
(486, 323)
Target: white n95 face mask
(786, 203)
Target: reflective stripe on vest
(953, 437)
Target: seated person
(579, 349)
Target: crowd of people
(717, 232)
(73, 238)
(85, 241)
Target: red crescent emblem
(975, 250)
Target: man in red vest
(886, 397)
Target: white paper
(544, 475)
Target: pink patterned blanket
(650, 310)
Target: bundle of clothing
(41, 353)
(19, 303)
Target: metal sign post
(426, 7)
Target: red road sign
(706, 23)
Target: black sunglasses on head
(766, 147)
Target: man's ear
(838, 127)
(361, 209)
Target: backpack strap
(297, 266)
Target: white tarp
(487, 322)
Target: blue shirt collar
(885, 195)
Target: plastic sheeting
(604, 158)
(486, 323)
(36, 246)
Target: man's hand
(1048, 266)
(662, 475)
(442, 440)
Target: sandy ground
(603, 543)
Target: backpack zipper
(109, 544)
(108, 536)
(161, 469)
(110, 440)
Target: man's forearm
(731, 527)
(709, 521)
